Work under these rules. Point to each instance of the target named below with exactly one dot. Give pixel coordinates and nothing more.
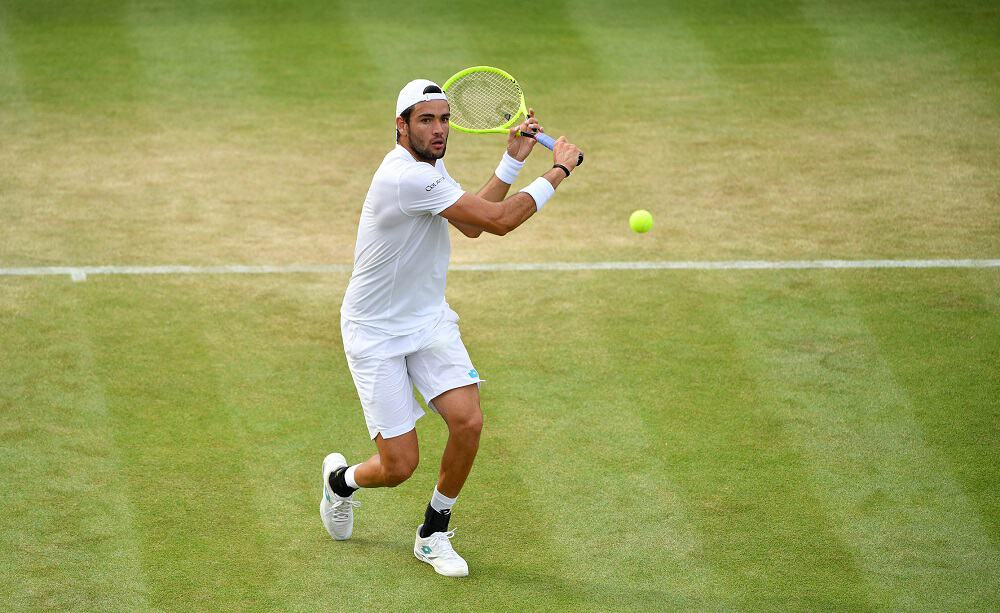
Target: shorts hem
(396, 431)
(447, 387)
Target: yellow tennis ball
(641, 221)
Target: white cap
(413, 92)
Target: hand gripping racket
(487, 100)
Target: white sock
(349, 477)
(441, 503)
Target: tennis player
(399, 331)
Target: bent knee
(399, 471)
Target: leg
(378, 368)
(443, 364)
(460, 409)
(393, 464)
(395, 461)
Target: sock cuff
(441, 503)
(349, 477)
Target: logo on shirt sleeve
(433, 185)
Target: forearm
(514, 211)
(495, 190)
(503, 177)
(519, 207)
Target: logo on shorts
(473, 374)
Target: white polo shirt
(401, 257)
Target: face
(427, 130)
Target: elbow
(498, 229)
(501, 223)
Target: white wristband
(541, 190)
(508, 169)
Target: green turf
(813, 440)
(751, 441)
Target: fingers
(528, 126)
(565, 153)
(530, 123)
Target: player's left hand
(518, 147)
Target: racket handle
(549, 143)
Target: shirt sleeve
(423, 190)
(441, 168)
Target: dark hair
(406, 117)
(430, 89)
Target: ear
(401, 125)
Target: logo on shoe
(426, 549)
(473, 374)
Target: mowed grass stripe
(895, 499)
(272, 367)
(15, 107)
(282, 372)
(191, 52)
(772, 59)
(554, 32)
(627, 514)
(744, 482)
(657, 84)
(951, 320)
(76, 60)
(923, 122)
(68, 526)
(187, 471)
(622, 531)
(307, 57)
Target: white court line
(80, 273)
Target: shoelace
(340, 509)
(441, 543)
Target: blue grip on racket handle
(550, 143)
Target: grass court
(654, 440)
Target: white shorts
(386, 369)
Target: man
(398, 330)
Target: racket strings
(484, 100)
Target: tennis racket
(487, 100)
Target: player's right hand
(565, 153)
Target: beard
(426, 152)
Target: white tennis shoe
(337, 512)
(437, 551)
